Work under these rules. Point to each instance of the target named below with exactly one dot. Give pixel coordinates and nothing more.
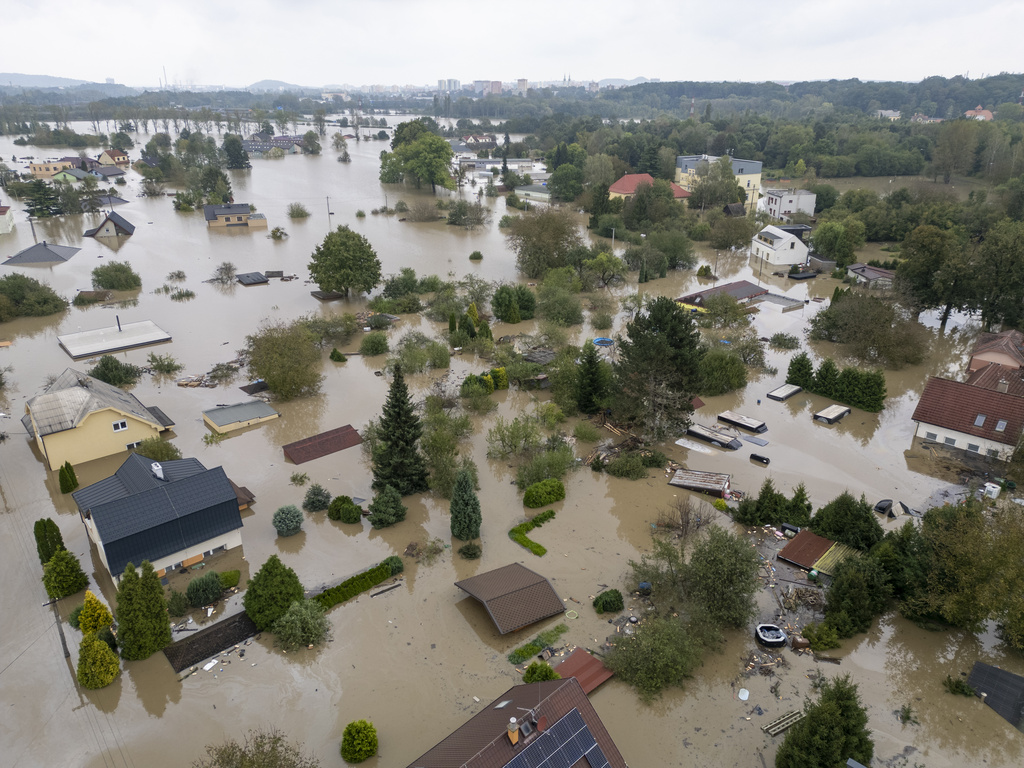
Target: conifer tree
(834, 729)
(465, 509)
(801, 371)
(48, 539)
(63, 575)
(591, 385)
(95, 615)
(826, 378)
(386, 509)
(397, 460)
(143, 627)
(274, 587)
(800, 507)
(97, 664)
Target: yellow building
(79, 418)
(228, 418)
(49, 168)
(233, 215)
(747, 173)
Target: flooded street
(412, 660)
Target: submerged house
(233, 215)
(79, 418)
(971, 418)
(172, 513)
(113, 224)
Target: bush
(303, 624)
(337, 356)
(287, 520)
(475, 256)
(297, 211)
(958, 687)
(394, 563)
(68, 479)
(543, 493)
(63, 575)
(538, 644)
(317, 498)
(552, 463)
(609, 601)
(165, 364)
(353, 586)
(177, 604)
(359, 742)
(112, 371)
(386, 509)
(821, 637)
(539, 671)
(374, 343)
(158, 449)
(204, 590)
(97, 664)
(470, 551)
(345, 510)
(229, 579)
(586, 432)
(74, 616)
(784, 341)
(360, 214)
(629, 466)
(270, 592)
(22, 296)
(116, 276)
(518, 533)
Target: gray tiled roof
(211, 212)
(74, 395)
(135, 475)
(229, 414)
(121, 224)
(43, 253)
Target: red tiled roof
(589, 670)
(4, 209)
(805, 549)
(956, 406)
(1008, 343)
(990, 376)
(482, 742)
(514, 596)
(627, 185)
(323, 444)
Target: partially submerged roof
(112, 339)
(73, 395)
(739, 290)
(1005, 690)
(251, 278)
(514, 596)
(555, 726)
(323, 444)
(805, 549)
(972, 410)
(211, 212)
(42, 253)
(121, 225)
(589, 670)
(1010, 343)
(627, 185)
(231, 414)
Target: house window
(980, 421)
(136, 444)
(949, 441)
(1001, 425)
(238, 218)
(973, 448)
(930, 436)
(120, 426)
(792, 246)
(993, 453)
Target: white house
(970, 418)
(779, 247)
(781, 203)
(6, 219)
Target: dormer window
(980, 420)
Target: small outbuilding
(228, 418)
(514, 596)
(588, 670)
(324, 444)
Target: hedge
(229, 579)
(609, 601)
(543, 493)
(518, 534)
(354, 586)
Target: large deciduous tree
(723, 578)
(544, 241)
(397, 460)
(465, 508)
(839, 240)
(267, 749)
(143, 627)
(848, 520)
(935, 270)
(234, 153)
(270, 592)
(345, 261)
(658, 371)
(1000, 274)
(286, 358)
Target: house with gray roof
(171, 513)
(233, 215)
(113, 224)
(79, 418)
(42, 253)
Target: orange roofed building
(626, 186)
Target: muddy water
(413, 659)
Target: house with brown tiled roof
(978, 114)
(870, 277)
(998, 378)
(540, 724)
(1006, 349)
(626, 186)
(116, 157)
(981, 421)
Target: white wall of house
(780, 204)
(950, 438)
(789, 250)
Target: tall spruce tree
(801, 371)
(834, 729)
(48, 539)
(591, 385)
(465, 509)
(826, 378)
(397, 460)
(143, 627)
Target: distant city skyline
(316, 43)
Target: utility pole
(60, 628)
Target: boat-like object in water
(770, 636)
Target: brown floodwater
(412, 660)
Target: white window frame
(979, 420)
(1001, 425)
(973, 448)
(950, 441)
(120, 426)
(931, 436)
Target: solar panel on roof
(561, 746)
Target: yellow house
(49, 168)
(747, 173)
(228, 418)
(79, 418)
(116, 157)
(233, 215)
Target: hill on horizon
(20, 80)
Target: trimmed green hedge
(354, 586)
(229, 579)
(518, 534)
(543, 493)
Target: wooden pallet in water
(777, 726)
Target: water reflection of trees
(154, 687)
(916, 663)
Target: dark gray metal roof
(211, 212)
(251, 278)
(1005, 690)
(43, 253)
(156, 518)
(121, 225)
(229, 414)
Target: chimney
(513, 731)
(158, 471)
(1002, 386)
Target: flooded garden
(416, 660)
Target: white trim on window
(120, 426)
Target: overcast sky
(319, 42)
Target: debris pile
(765, 663)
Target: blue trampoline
(602, 341)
